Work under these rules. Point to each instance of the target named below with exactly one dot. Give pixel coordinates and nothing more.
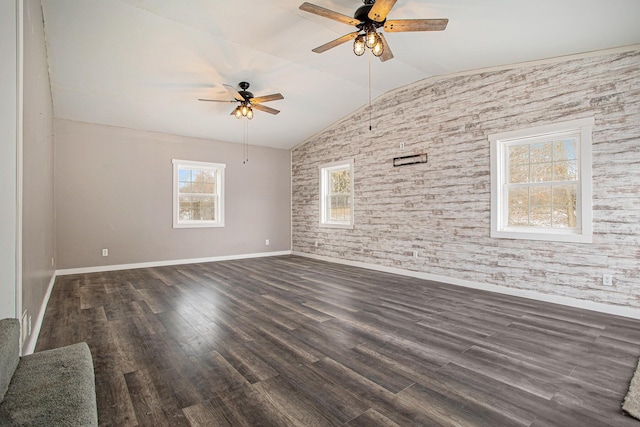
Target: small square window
(198, 194)
(336, 195)
(541, 183)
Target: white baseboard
(101, 268)
(30, 345)
(617, 310)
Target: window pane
(209, 188)
(518, 173)
(339, 181)
(518, 206)
(204, 176)
(339, 208)
(208, 211)
(565, 171)
(519, 154)
(564, 205)
(196, 181)
(540, 152)
(188, 187)
(197, 208)
(540, 196)
(565, 194)
(539, 205)
(565, 149)
(518, 216)
(540, 216)
(185, 207)
(541, 172)
(184, 187)
(564, 216)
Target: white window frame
(582, 233)
(325, 170)
(218, 169)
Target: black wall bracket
(410, 160)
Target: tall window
(198, 194)
(336, 195)
(541, 182)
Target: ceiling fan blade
(234, 92)
(386, 53)
(266, 98)
(327, 13)
(215, 100)
(265, 108)
(336, 42)
(380, 10)
(398, 25)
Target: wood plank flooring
(291, 341)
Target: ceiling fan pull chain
(245, 143)
(370, 107)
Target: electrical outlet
(105, 252)
(402, 145)
(607, 279)
(266, 242)
(415, 254)
(315, 243)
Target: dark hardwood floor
(291, 341)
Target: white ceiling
(142, 64)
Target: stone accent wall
(442, 208)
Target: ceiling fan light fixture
(244, 109)
(371, 38)
(359, 46)
(237, 113)
(378, 49)
(249, 113)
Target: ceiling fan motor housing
(245, 94)
(362, 15)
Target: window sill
(551, 236)
(199, 225)
(336, 225)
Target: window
(336, 195)
(541, 182)
(198, 194)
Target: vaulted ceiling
(143, 64)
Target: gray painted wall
(114, 191)
(8, 159)
(37, 210)
(442, 209)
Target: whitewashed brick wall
(442, 208)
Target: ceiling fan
(367, 19)
(247, 101)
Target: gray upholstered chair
(48, 388)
